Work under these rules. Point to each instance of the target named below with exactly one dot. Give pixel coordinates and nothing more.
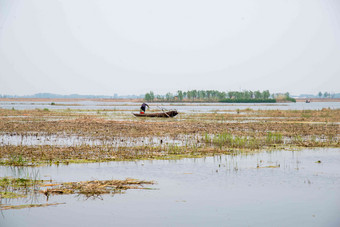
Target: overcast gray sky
(132, 46)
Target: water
(187, 107)
(278, 188)
(69, 140)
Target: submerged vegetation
(17, 187)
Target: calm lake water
(187, 107)
(277, 188)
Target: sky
(103, 47)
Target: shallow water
(186, 107)
(277, 188)
(38, 139)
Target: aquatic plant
(95, 188)
(17, 160)
(12, 188)
(18, 187)
(174, 149)
(274, 138)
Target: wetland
(210, 164)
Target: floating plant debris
(15, 188)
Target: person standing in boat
(142, 108)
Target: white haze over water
(131, 47)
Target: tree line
(192, 95)
(326, 95)
(214, 96)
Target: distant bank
(137, 100)
(318, 99)
(70, 99)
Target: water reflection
(284, 188)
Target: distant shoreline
(138, 100)
(68, 100)
(318, 99)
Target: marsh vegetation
(35, 137)
(44, 137)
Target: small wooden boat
(171, 113)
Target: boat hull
(163, 114)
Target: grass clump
(16, 160)
(228, 140)
(11, 188)
(274, 138)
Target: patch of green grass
(10, 195)
(16, 160)
(12, 188)
(274, 138)
(306, 115)
(18, 183)
(174, 149)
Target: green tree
(189, 95)
(209, 93)
(185, 95)
(258, 95)
(222, 95)
(201, 94)
(287, 94)
(265, 94)
(230, 94)
(251, 94)
(180, 95)
(246, 94)
(169, 96)
(147, 97)
(320, 94)
(194, 94)
(152, 95)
